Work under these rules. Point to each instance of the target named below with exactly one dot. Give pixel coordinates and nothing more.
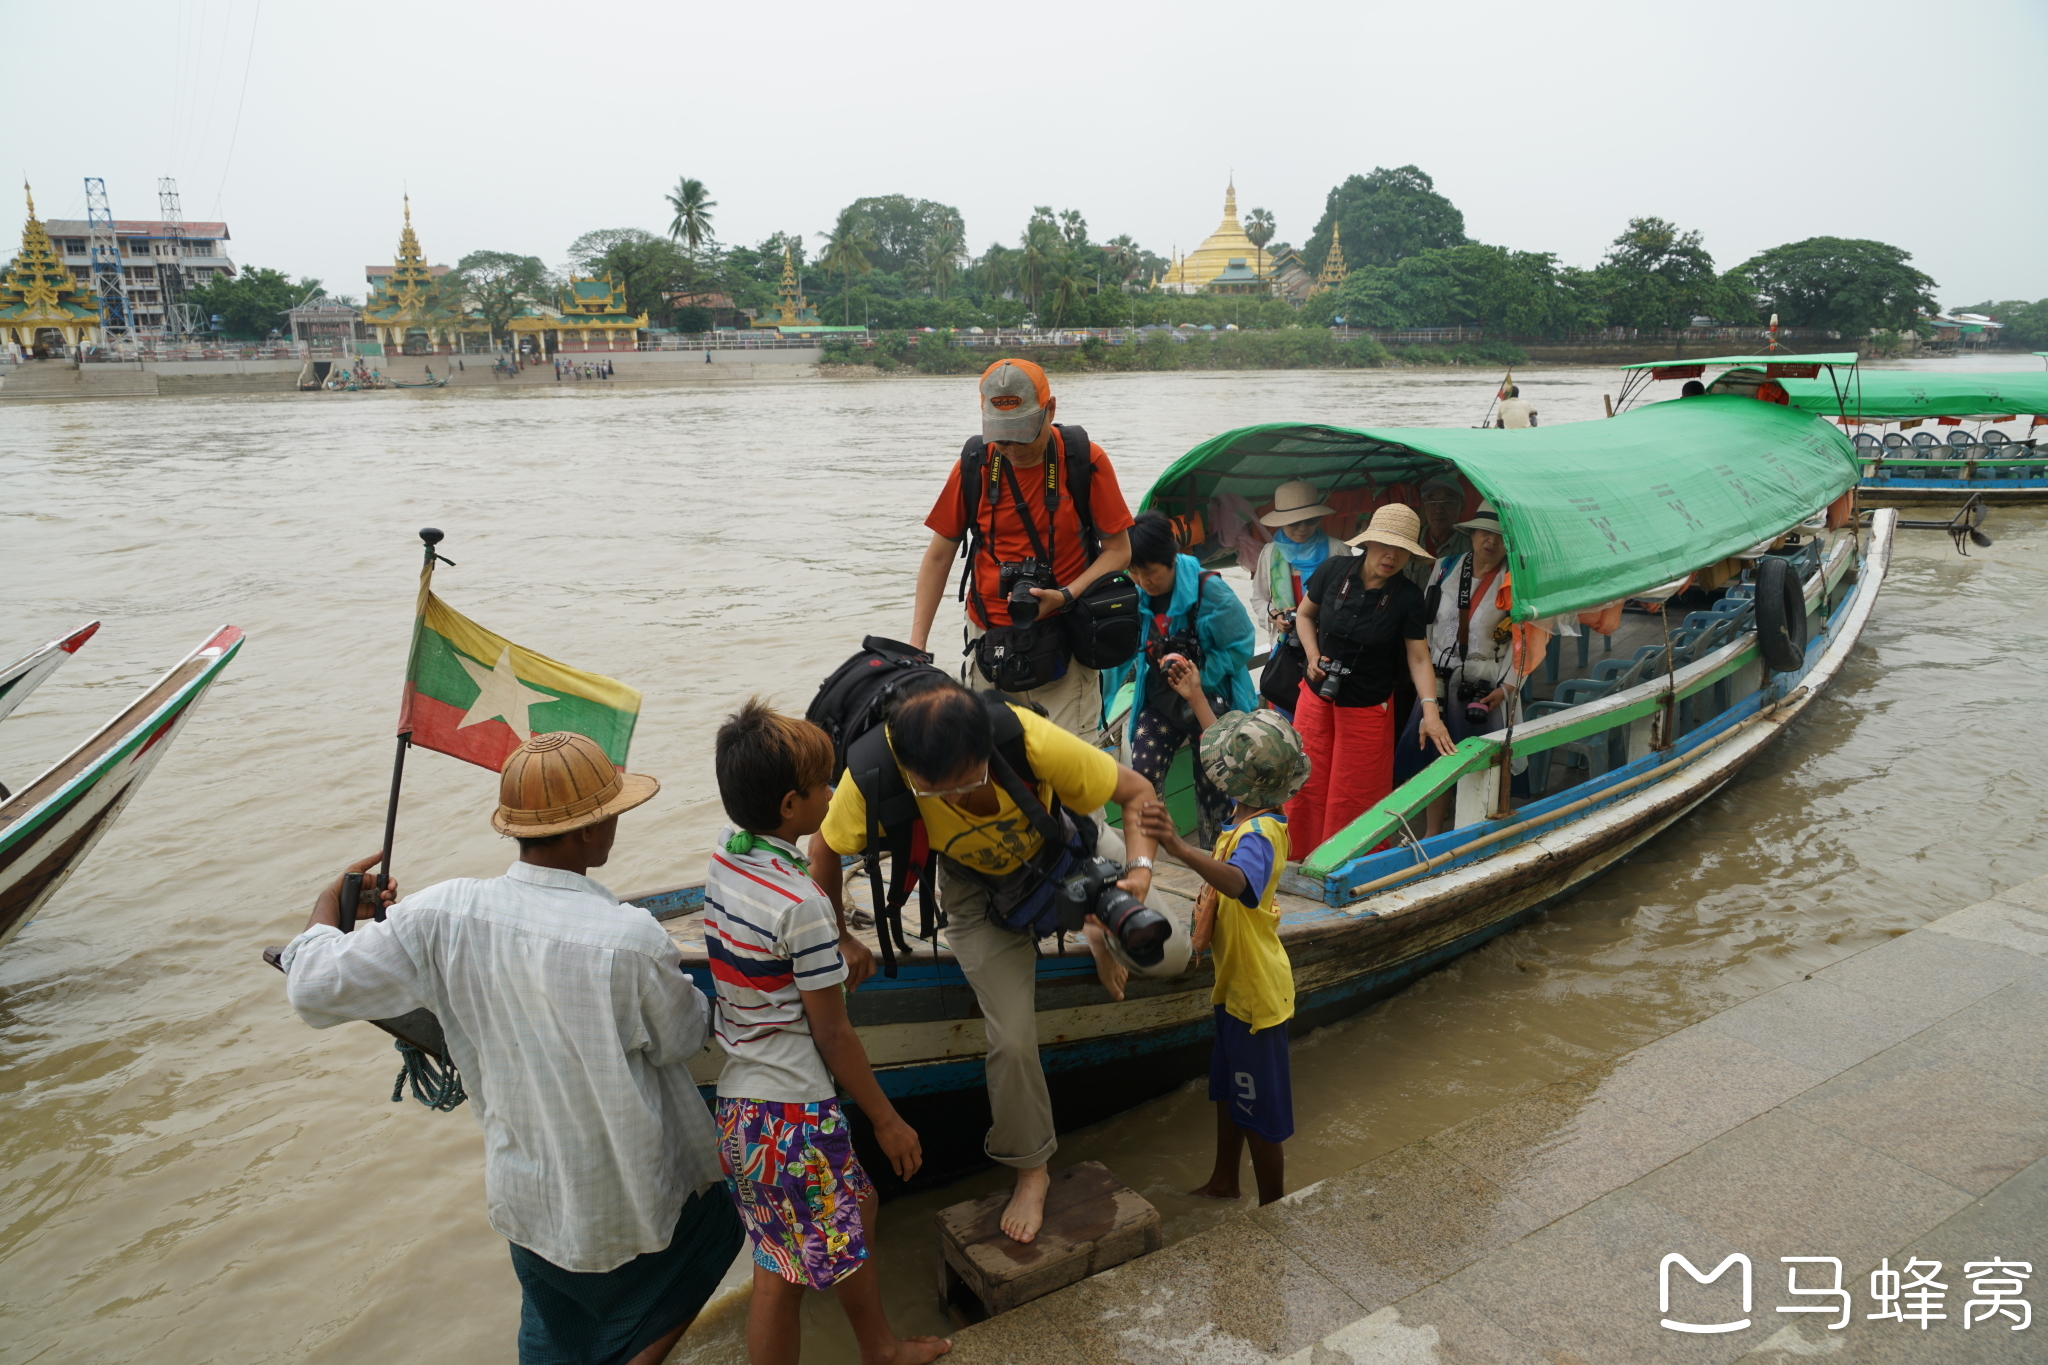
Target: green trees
(1520, 293)
(1656, 276)
(2026, 324)
(1848, 285)
(253, 303)
(846, 253)
(1258, 225)
(648, 267)
(692, 222)
(1386, 216)
(497, 284)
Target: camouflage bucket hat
(1254, 757)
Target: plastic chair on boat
(1923, 439)
(1894, 443)
(1867, 446)
(1994, 438)
(1594, 753)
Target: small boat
(25, 674)
(1910, 459)
(428, 383)
(50, 825)
(1657, 503)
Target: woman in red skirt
(1361, 621)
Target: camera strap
(1043, 549)
(1042, 820)
(1465, 602)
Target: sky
(518, 126)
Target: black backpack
(1102, 627)
(852, 706)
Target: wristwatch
(1067, 593)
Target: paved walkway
(1891, 1106)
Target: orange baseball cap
(1013, 398)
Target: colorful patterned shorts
(792, 1171)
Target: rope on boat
(435, 1082)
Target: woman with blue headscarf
(1194, 625)
(1298, 548)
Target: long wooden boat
(1594, 512)
(1939, 436)
(27, 673)
(50, 825)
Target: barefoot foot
(1027, 1206)
(918, 1350)
(1218, 1189)
(1111, 973)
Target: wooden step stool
(1092, 1221)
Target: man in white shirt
(1515, 411)
(572, 1024)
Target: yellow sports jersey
(1083, 776)
(1254, 980)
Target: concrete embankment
(60, 381)
(1891, 1106)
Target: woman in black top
(1361, 621)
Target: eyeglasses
(976, 785)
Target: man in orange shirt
(1044, 517)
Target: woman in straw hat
(1361, 623)
(1298, 548)
(571, 1022)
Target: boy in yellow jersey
(1256, 759)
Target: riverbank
(1889, 1106)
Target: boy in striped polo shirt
(785, 1144)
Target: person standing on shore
(572, 1024)
(1042, 516)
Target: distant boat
(47, 829)
(1939, 434)
(22, 676)
(428, 383)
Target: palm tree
(1074, 227)
(693, 205)
(846, 250)
(942, 255)
(1042, 246)
(1123, 257)
(1258, 225)
(998, 270)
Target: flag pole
(429, 538)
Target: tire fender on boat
(1780, 615)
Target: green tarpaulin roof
(1592, 511)
(1888, 395)
(1782, 358)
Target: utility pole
(116, 322)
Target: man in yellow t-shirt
(1256, 758)
(944, 747)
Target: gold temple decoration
(1334, 269)
(1199, 268)
(39, 297)
(792, 309)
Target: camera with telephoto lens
(1092, 890)
(1334, 675)
(1016, 581)
(1287, 633)
(1473, 695)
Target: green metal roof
(1890, 395)
(1830, 358)
(1592, 511)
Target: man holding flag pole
(566, 1012)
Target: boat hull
(1951, 492)
(48, 829)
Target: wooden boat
(50, 825)
(428, 383)
(1594, 512)
(25, 674)
(1938, 436)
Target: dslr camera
(1016, 581)
(1092, 890)
(1334, 675)
(1473, 696)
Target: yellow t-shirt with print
(1083, 777)
(1254, 979)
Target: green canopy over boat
(1889, 395)
(1781, 358)
(1592, 511)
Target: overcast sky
(517, 126)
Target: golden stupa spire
(31, 194)
(408, 208)
(1230, 199)
(1334, 269)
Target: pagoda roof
(37, 289)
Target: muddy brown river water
(188, 1174)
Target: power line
(240, 101)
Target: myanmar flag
(478, 696)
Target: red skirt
(1351, 767)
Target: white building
(145, 247)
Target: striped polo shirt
(771, 935)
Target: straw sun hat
(556, 783)
(1396, 525)
(1296, 500)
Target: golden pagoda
(1334, 270)
(792, 309)
(588, 314)
(1197, 270)
(408, 300)
(41, 307)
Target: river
(188, 1174)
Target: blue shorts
(1248, 1071)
